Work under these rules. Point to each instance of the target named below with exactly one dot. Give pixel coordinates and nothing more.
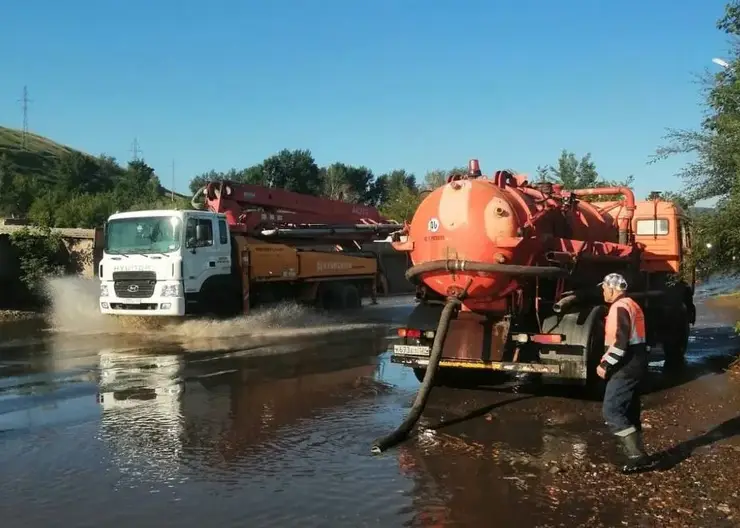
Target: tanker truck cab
(163, 262)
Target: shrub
(40, 256)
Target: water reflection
(167, 417)
(141, 420)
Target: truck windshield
(147, 234)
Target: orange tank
(502, 220)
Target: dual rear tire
(335, 296)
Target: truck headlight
(104, 290)
(171, 290)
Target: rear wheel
(595, 385)
(463, 378)
(676, 336)
(584, 332)
(339, 296)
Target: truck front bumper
(149, 307)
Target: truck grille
(134, 284)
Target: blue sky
(387, 84)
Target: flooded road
(268, 421)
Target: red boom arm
(254, 208)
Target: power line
(24, 103)
(135, 150)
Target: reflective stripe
(626, 432)
(637, 321)
(613, 355)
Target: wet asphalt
(237, 426)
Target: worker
(624, 366)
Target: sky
(388, 84)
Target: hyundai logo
(133, 288)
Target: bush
(40, 256)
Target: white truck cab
(159, 262)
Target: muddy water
(268, 421)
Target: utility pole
(135, 150)
(172, 189)
(24, 103)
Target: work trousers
(621, 407)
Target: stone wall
(80, 255)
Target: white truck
(243, 246)
(152, 259)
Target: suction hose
(403, 430)
(412, 274)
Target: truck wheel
(584, 330)
(350, 297)
(336, 296)
(463, 378)
(676, 340)
(444, 378)
(595, 386)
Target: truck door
(201, 262)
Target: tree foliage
(40, 253)
(82, 191)
(715, 170)
(574, 173)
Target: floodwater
(268, 421)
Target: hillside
(40, 156)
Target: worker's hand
(601, 371)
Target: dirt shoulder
(694, 428)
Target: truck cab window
(223, 232)
(199, 232)
(652, 227)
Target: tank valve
(499, 211)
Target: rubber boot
(638, 460)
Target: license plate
(132, 301)
(411, 350)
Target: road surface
(268, 421)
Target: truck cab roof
(163, 212)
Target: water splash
(74, 312)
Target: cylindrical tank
(480, 220)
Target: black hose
(464, 265)
(403, 430)
(564, 302)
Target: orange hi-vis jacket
(624, 334)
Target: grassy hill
(39, 156)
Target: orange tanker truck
(507, 273)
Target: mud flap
(581, 350)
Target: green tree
(77, 172)
(347, 183)
(438, 177)
(137, 184)
(294, 170)
(715, 145)
(571, 172)
(7, 196)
